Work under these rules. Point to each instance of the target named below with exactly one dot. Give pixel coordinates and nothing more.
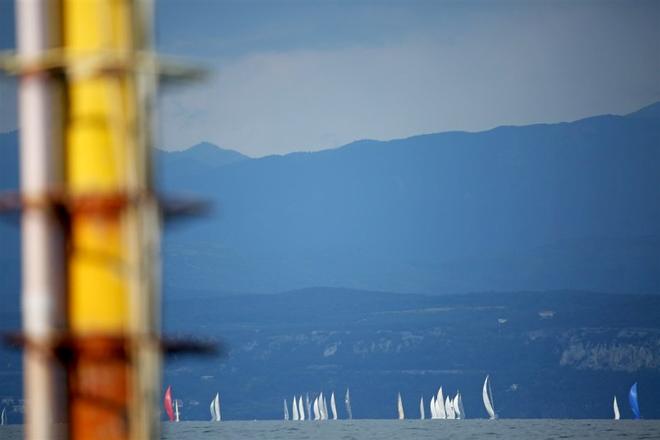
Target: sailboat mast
(490, 396)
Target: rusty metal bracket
(58, 62)
(67, 347)
(101, 204)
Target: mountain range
(546, 206)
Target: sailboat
(634, 403)
(286, 410)
(333, 406)
(455, 406)
(449, 408)
(177, 403)
(215, 408)
(487, 395)
(3, 417)
(460, 405)
(617, 414)
(301, 409)
(440, 409)
(422, 415)
(317, 414)
(294, 410)
(308, 406)
(167, 403)
(347, 401)
(432, 407)
(322, 408)
(325, 409)
(399, 407)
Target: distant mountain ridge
(507, 209)
(175, 165)
(651, 111)
(539, 207)
(204, 154)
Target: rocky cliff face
(627, 350)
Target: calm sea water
(393, 429)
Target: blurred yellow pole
(112, 308)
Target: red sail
(167, 402)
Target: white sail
(460, 405)
(322, 414)
(317, 414)
(308, 406)
(399, 407)
(176, 410)
(487, 395)
(457, 410)
(301, 409)
(617, 414)
(440, 410)
(333, 406)
(216, 404)
(422, 414)
(434, 413)
(325, 409)
(212, 410)
(449, 409)
(286, 410)
(3, 417)
(294, 410)
(347, 401)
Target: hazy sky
(312, 75)
(307, 75)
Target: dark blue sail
(634, 404)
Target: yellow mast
(113, 321)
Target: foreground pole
(113, 314)
(44, 289)
(91, 221)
